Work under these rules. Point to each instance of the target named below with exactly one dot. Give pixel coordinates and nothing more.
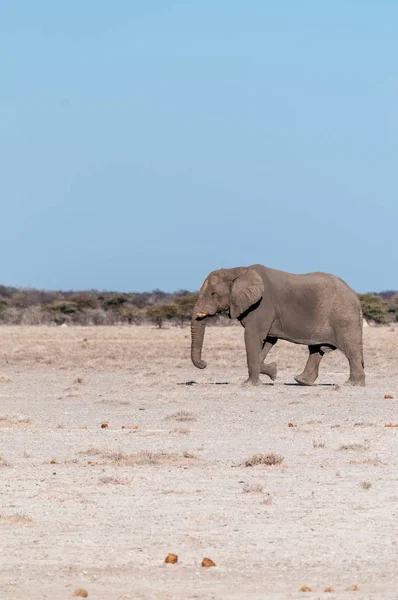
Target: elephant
(316, 309)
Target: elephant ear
(247, 289)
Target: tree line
(93, 307)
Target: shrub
(159, 313)
(184, 307)
(64, 307)
(3, 306)
(374, 308)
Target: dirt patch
(99, 509)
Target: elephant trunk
(197, 335)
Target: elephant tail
(361, 329)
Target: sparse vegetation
(181, 431)
(14, 422)
(113, 480)
(142, 458)
(18, 519)
(187, 454)
(182, 415)
(193, 505)
(318, 443)
(366, 485)
(253, 488)
(36, 307)
(375, 308)
(270, 459)
(354, 447)
(39, 307)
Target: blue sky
(144, 144)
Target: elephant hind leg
(269, 369)
(311, 370)
(351, 345)
(357, 371)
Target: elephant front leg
(311, 371)
(269, 369)
(253, 344)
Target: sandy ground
(99, 507)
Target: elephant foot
(359, 382)
(250, 382)
(302, 380)
(270, 369)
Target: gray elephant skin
(316, 309)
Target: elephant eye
(214, 294)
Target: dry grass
(18, 519)
(370, 462)
(14, 423)
(182, 415)
(354, 447)
(318, 444)
(366, 485)
(112, 480)
(269, 459)
(187, 454)
(181, 431)
(253, 488)
(142, 458)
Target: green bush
(63, 306)
(392, 308)
(3, 306)
(374, 308)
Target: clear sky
(146, 143)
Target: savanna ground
(107, 465)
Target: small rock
(207, 562)
(171, 559)
(104, 425)
(305, 588)
(80, 593)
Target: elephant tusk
(202, 315)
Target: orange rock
(305, 588)
(80, 593)
(352, 588)
(207, 562)
(391, 425)
(104, 425)
(388, 397)
(328, 589)
(171, 559)
(292, 425)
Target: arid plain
(109, 462)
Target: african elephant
(315, 309)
